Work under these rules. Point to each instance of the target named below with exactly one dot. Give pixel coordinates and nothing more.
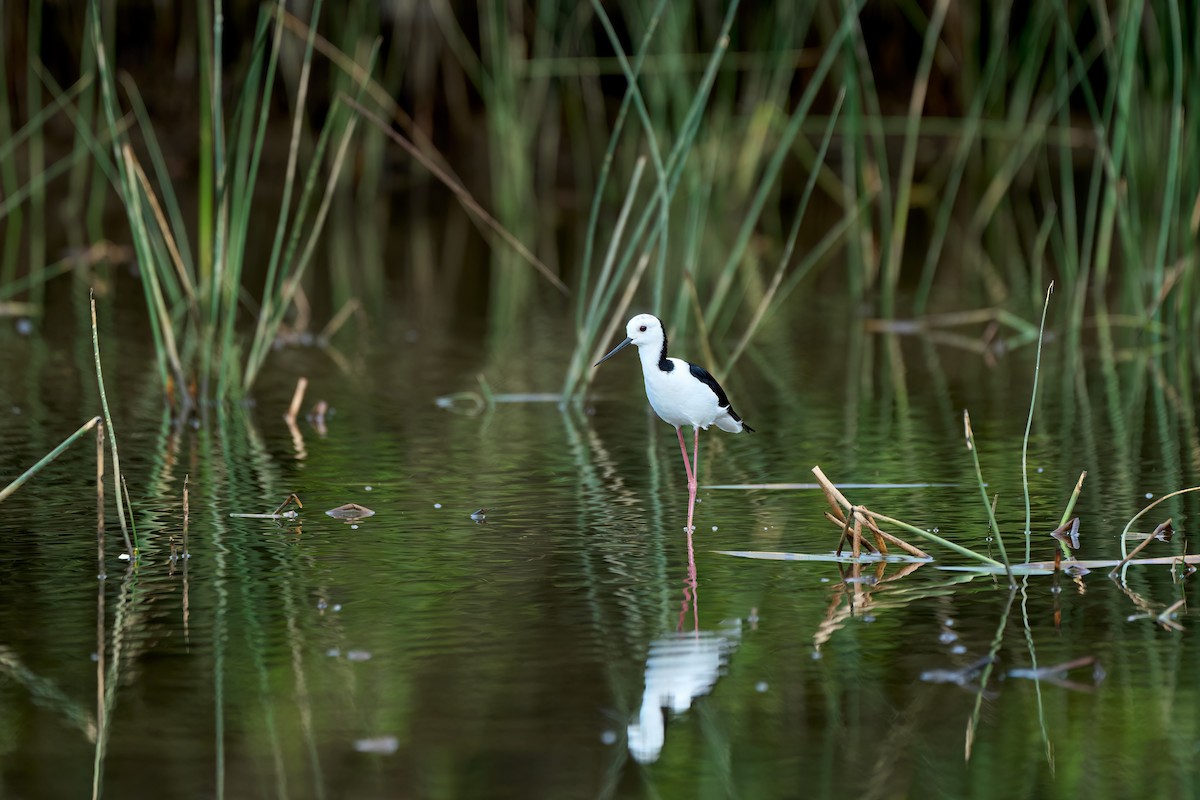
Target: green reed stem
(46, 459)
(970, 436)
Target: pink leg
(686, 464)
(695, 457)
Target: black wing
(705, 377)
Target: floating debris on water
(279, 512)
(357, 655)
(350, 511)
(480, 515)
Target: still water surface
(573, 643)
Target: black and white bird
(680, 393)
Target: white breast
(678, 398)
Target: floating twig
(279, 512)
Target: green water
(422, 653)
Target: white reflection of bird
(679, 668)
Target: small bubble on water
(958, 649)
(868, 618)
(816, 655)
(437, 505)
(824, 580)
(761, 687)
(333, 652)
(714, 527)
(1055, 589)
(94, 656)
(1041, 469)
(123, 557)
(322, 605)
(337, 607)
(946, 637)
(353, 527)
(949, 623)
(358, 655)
(608, 737)
(1149, 495)
(368, 488)
(24, 327)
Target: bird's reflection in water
(680, 667)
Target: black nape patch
(665, 364)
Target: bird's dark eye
(642, 329)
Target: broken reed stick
(46, 459)
(1162, 526)
(1074, 496)
(297, 399)
(857, 543)
(837, 501)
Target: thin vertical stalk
(112, 437)
(1037, 368)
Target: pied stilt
(679, 392)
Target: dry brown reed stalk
(460, 191)
(859, 516)
(339, 319)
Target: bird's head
(642, 330)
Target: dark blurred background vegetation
(906, 157)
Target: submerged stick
(101, 574)
(1157, 534)
(112, 433)
(46, 459)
